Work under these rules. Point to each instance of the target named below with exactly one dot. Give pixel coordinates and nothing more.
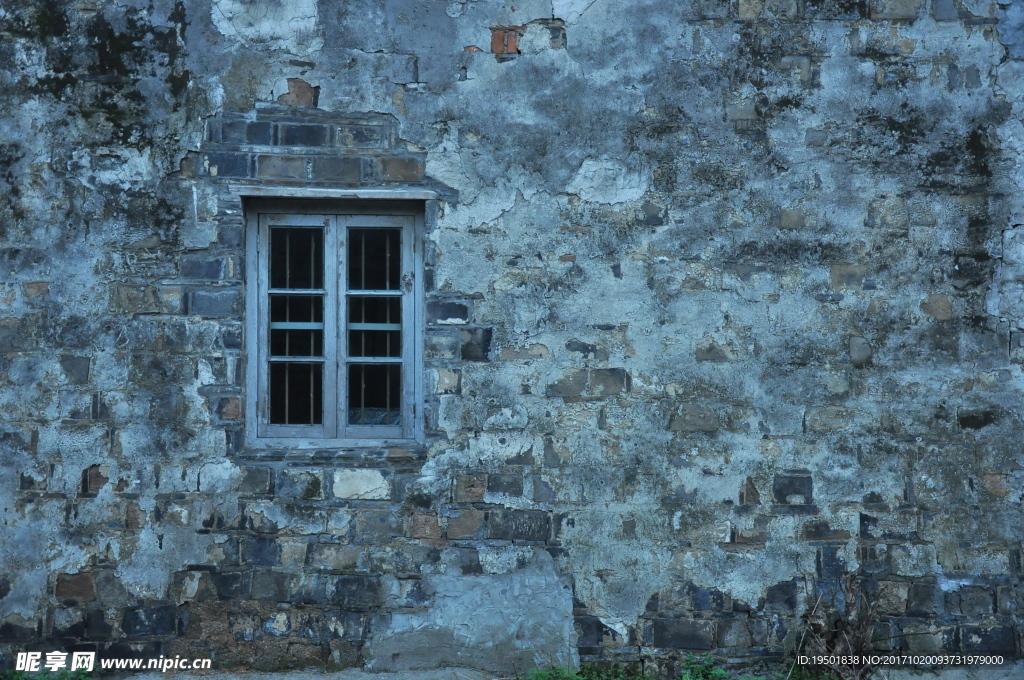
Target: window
(333, 317)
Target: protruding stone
(860, 351)
(361, 484)
(938, 307)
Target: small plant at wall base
(837, 630)
(702, 667)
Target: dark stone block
(944, 10)
(519, 525)
(362, 136)
(270, 586)
(400, 169)
(347, 170)
(447, 311)
(476, 344)
(10, 632)
(256, 480)
(264, 552)
(867, 526)
(506, 484)
(705, 600)
(227, 164)
(229, 586)
(302, 135)
(988, 640)
(96, 626)
(572, 384)
(819, 530)
(231, 337)
(231, 131)
(682, 634)
(309, 590)
(976, 601)
(358, 592)
(924, 599)
(781, 596)
(609, 381)
(230, 235)
(214, 302)
(76, 368)
(542, 491)
(259, 133)
(592, 632)
(281, 167)
(201, 266)
(975, 419)
(143, 621)
(378, 524)
(829, 563)
(78, 587)
(785, 487)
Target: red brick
(230, 408)
(78, 587)
(424, 525)
(498, 41)
(468, 524)
(94, 477)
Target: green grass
(701, 667)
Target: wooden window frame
(337, 215)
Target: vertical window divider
(410, 312)
(334, 306)
(263, 324)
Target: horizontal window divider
(372, 326)
(295, 359)
(297, 325)
(373, 360)
(367, 293)
(297, 291)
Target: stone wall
(724, 302)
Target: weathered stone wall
(725, 300)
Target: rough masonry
(724, 302)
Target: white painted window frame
(337, 214)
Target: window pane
(296, 325)
(374, 394)
(374, 324)
(374, 259)
(301, 308)
(296, 257)
(296, 343)
(296, 393)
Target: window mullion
(341, 286)
(408, 329)
(331, 328)
(262, 326)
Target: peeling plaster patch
(616, 580)
(147, 565)
(219, 477)
(495, 622)
(514, 418)
(570, 10)
(364, 484)
(276, 25)
(607, 180)
(503, 560)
